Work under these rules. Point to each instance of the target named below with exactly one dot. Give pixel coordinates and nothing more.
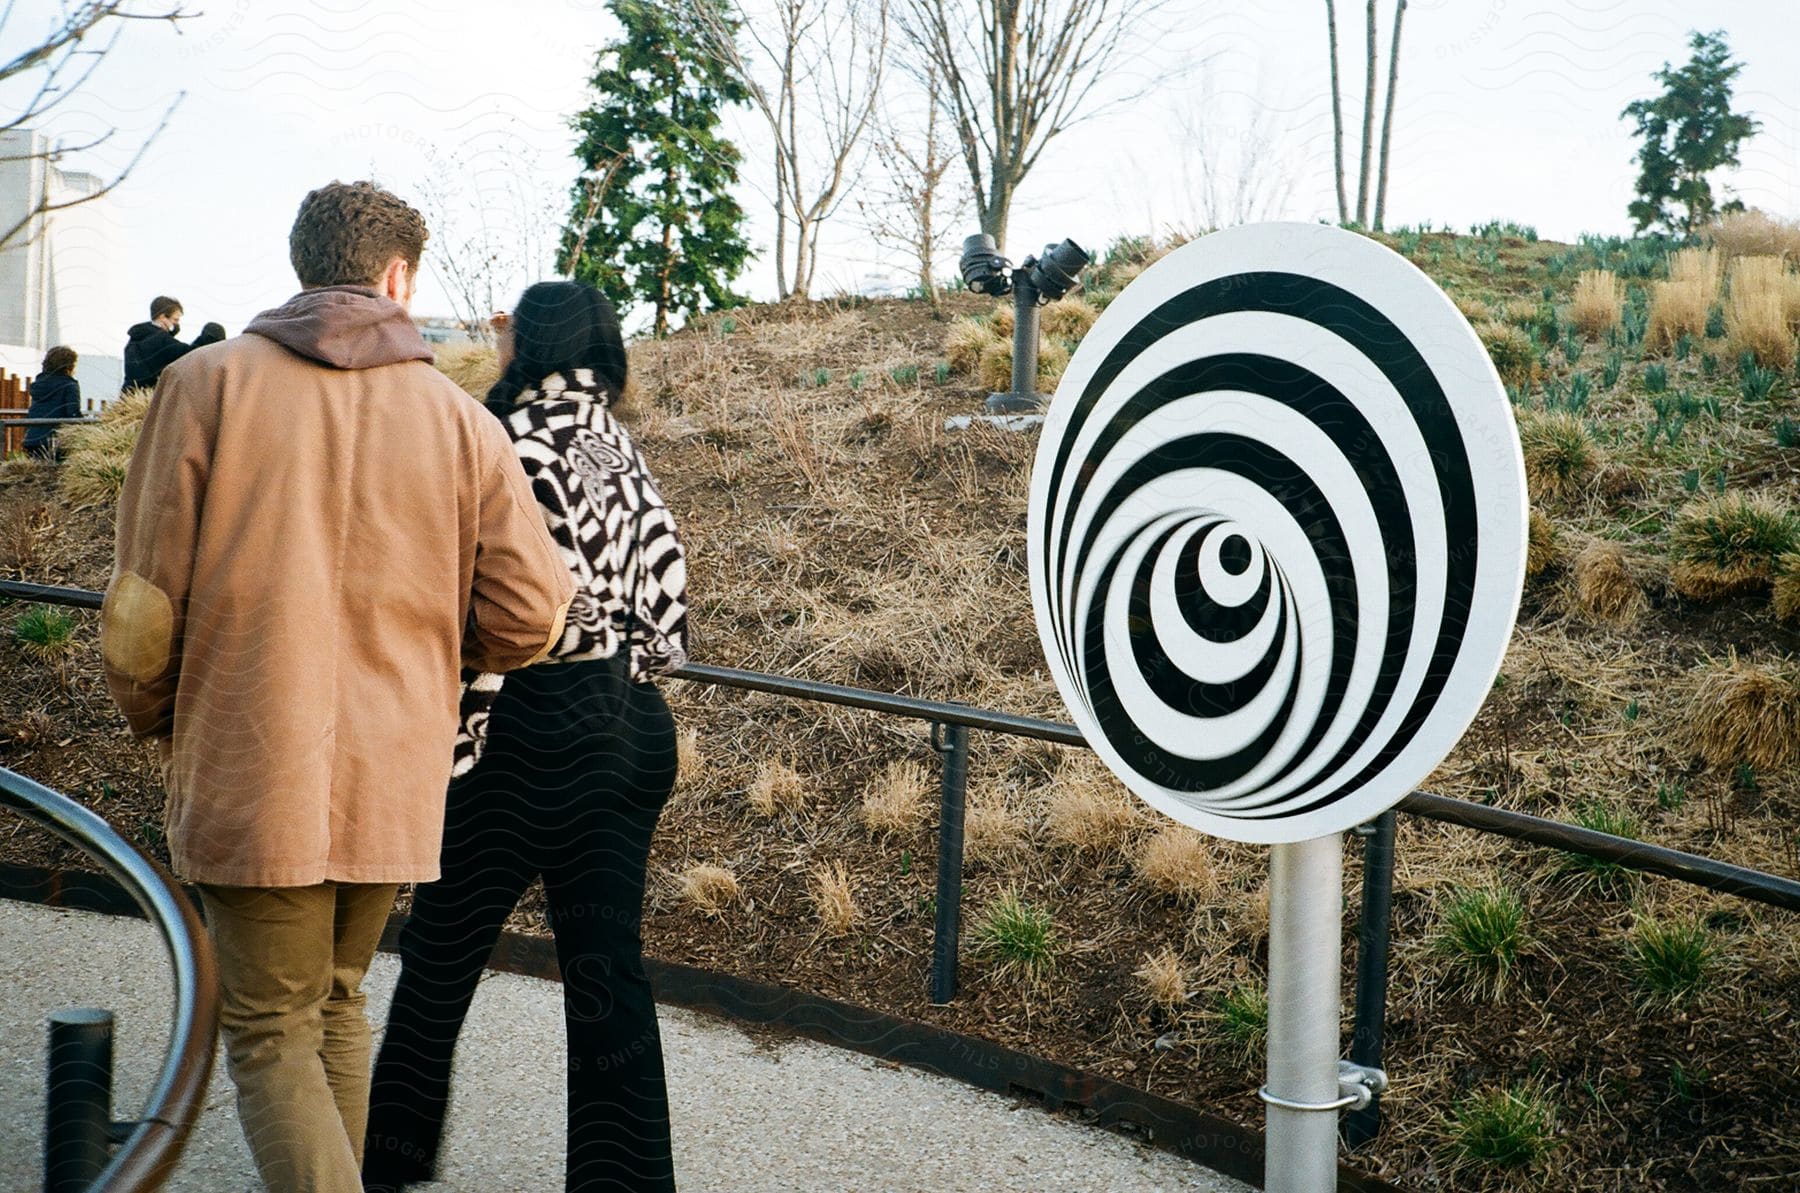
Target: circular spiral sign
(1277, 531)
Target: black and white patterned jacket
(615, 533)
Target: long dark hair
(558, 327)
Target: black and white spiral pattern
(1277, 531)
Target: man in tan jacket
(318, 531)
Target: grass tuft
(1090, 812)
(45, 633)
(832, 899)
(1165, 978)
(711, 889)
(1599, 298)
(1482, 933)
(1561, 456)
(1671, 959)
(1540, 544)
(1614, 820)
(1067, 318)
(1503, 1128)
(1744, 713)
(897, 801)
(1510, 349)
(1730, 544)
(1016, 937)
(777, 787)
(1242, 1016)
(1177, 861)
(1604, 586)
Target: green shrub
(1611, 370)
(1560, 453)
(1504, 1128)
(905, 375)
(1731, 543)
(1482, 933)
(1243, 1016)
(1755, 381)
(1656, 378)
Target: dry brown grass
(1599, 300)
(1178, 861)
(1519, 310)
(474, 367)
(690, 761)
(1561, 457)
(1511, 350)
(1745, 713)
(1165, 978)
(898, 799)
(1698, 267)
(1758, 318)
(1540, 544)
(777, 787)
(1605, 586)
(1472, 308)
(1067, 318)
(1786, 597)
(1089, 811)
(1755, 233)
(966, 343)
(832, 899)
(1678, 308)
(996, 365)
(991, 828)
(711, 889)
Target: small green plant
(1656, 378)
(1745, 775)
(45, 633)
(727, 325)
(1709, 364)
(1243, 1016)
(1671, 959)
(1615, 821)
(1631, 711)
(857, 379)
(1684, 346)
(1635, 320)
(1504, 1128)
(940, 372)
(1715, 322)
(1690, 480)
(1017, 937)
(821, 378)
(1482, 933)
(905, 375)
(1670, 795)
(1787, 432)
(1611, 370)
(1754, 381)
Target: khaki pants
(297, 1040)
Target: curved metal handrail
(146, 1157)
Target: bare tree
(488, 243)
(1232, 170)
(912, 210)
(1368, 183)
(815, 77)
(63, 58)
(1016, 73)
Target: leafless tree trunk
(1387, 117)
(65, 59)
(1337, 113)
(828, 57)
(1016, 73)
(910, 211)
(1368, 133)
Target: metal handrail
(147, 1156)
(9, 420)
(1519, 826)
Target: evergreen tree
(1688, 131)
(652, 219)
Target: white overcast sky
(1506, 108)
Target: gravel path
(748, 1117)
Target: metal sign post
(1277, 540)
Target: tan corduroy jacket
(318, 531)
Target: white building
(59, 276)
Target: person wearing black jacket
(151, 347)
(55, 394)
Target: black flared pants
(578, 765)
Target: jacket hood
(143, 331)
(346, 327)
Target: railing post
(1360, 1126)
(952, 741)
(78, 1106)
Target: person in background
(318, 531)
(578, 762)
(152, 347)
(54, 394)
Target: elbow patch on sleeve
(137, 629)
(556, 633)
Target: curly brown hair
(347, 232)
(60, 359)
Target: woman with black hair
(561, 772)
